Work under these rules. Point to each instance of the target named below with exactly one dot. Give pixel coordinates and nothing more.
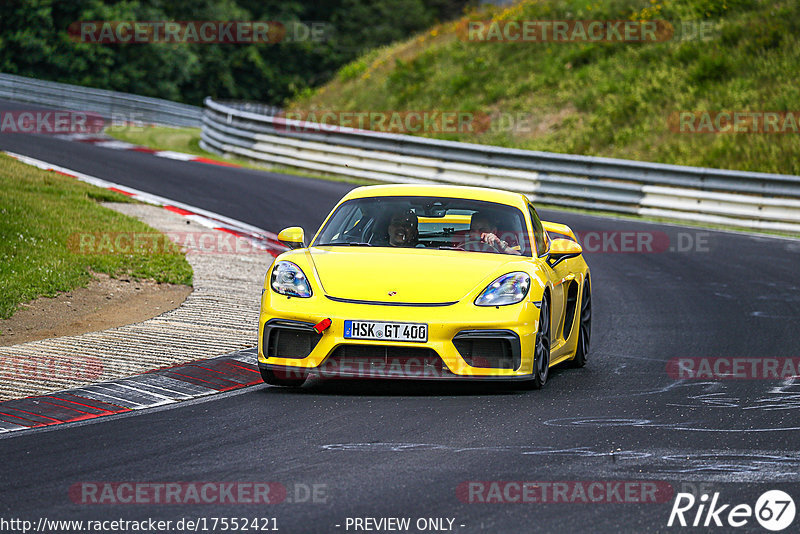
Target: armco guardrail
(110, 104)
(759, 201)
(258, 108)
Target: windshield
(427, 222)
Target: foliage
(34, 41)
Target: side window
(346, 219)
(538, 232)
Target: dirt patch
(105, 303)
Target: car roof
(437, 190)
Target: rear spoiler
(562, 229)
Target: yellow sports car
(426, 282)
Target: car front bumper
(449, 327)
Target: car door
(557, 275)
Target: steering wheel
(476, 245)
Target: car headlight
(510, 288)
(289, 279)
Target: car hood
(403, 275)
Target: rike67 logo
(774, 510)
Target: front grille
(492, 349)
(376, 361)
(289, 340)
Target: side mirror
(561, 249)
(292, 237)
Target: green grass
(42, 214)
(599, 99)
(186, 140)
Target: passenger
(482, 229)
(403, 229)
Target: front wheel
(541, 354)
(585, 329)
(282, 379)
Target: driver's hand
(493, 240)
(497, 243)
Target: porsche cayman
(426, 282)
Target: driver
(482, 229)
(402, 230)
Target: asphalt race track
(400, 449)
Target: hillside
(616, 99)
(87, 43)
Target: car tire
(541, 351)
(269, 377)
(584, 327)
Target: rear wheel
(282, 378)
(585, 329)
(541, 354)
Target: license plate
(386, 331)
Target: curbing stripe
(105, 395)
(169, 387)
(179, 211)
(198, 374)
(10, 427)
(70, 396)
(50, 399)
(115, 144)
(25, 415)
(232, 371)
(155, 390)
(16, 421)
(52, 411)
(208, 161)
(260, 238)
(120, 191)
(156, 387)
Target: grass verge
(40, 212)
(613, 99)
(186, 140)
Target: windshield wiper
(445, 247)
(359, 244)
